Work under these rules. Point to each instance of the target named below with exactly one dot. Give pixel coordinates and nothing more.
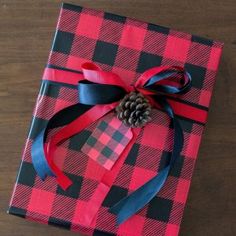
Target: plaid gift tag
(107, 141)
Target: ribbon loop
(94, 74)
(93, 93)
(155, 81)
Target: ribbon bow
(99, 94)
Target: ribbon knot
(99, 93)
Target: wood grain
(26, 30)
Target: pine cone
(134, 110)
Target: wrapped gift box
(126, 47)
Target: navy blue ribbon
(61, 118)
(140, 197)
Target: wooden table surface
(26, 31)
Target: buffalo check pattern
(108, 141)
(127, 47)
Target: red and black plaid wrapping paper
(127, 47)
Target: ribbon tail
(42, 154)
(68, 131)
(39, 157)
(129, 205)
(39, 160)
